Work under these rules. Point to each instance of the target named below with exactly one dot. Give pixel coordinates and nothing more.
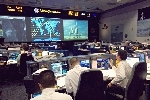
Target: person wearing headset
(123, 73)
(47, 83)
(72, 76)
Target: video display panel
(13, 55)
(75, 29)
(34, 29)
(141, 56)
(13, 29)
(103, 63)
(132, 60)
(85, 63)
(59, 68)
(46, 29)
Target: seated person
(84, 45)
(123, 73)
(72, 76)
(47, 84)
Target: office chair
(23, 65)
(136, 82)
(90, 86)
(3, 68)
(3, 60)
(134, 89)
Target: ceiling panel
(79, 5)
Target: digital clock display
(12, 8)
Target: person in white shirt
(123, 73)
(47, 84)
(72, 76)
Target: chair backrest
(3, 59)
(135, 84)
(23, 59)
(90, 86)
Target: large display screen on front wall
(28, 29)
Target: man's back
(123, 73)
(72, 79)
(50, 94)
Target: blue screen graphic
(45, 29)
(75, 29)
(33, 53)
(85, 63)
(141, 56)
(13, 55)
(60, 68)
(36, 94)
(103, 63)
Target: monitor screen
(11, 27)
(103, 63)
(46, 29)
(85, 63)
(75, 29)
(32, 67)
(60, 68)
(122, 48)
(92, 46)
(132, 60)
(141, 56)
(148, 55)
(36, 94)
(33, 53)
(1, 55)
(45, 53)
(13, 55)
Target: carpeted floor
(13, 91)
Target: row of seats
(91, 85)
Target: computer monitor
(13, 55)
(36, 94)
(85, 63)
(122, 48)
(1, 54)
(92, 45)
(103, 63)
(45, 53)
(59, 68)
(32, 66)
(132, 60)
(141, 56)
(33, 53)
(111, 56)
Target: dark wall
(93, 29)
